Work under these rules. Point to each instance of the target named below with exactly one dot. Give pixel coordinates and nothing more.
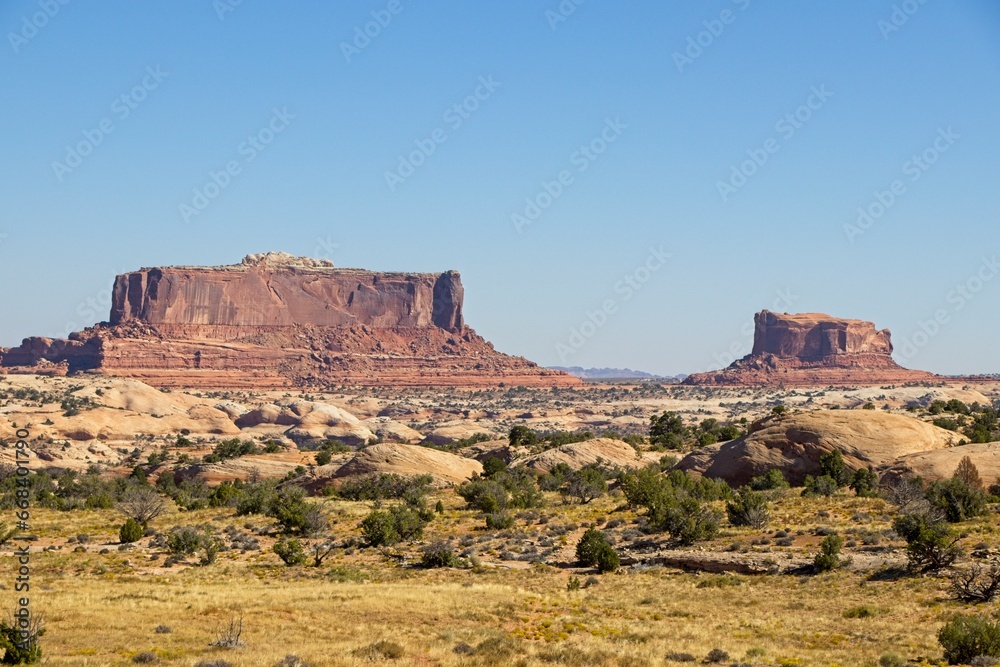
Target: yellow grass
(102, 609)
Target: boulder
(794, 443)
(607, 451)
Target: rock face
(941, 463)
(275, 321)
(227, 303)
(814, 349)
(795, 442)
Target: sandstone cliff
(276, 320)
(814, 349)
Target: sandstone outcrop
(280, 321)
(794, 443)
(812, 349)
(607, 451)
(410, 461)
(941, 463)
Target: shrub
(290, 551)
(716, 655)
(967, 637)
(976, 584)
(930, 545)
(379, 529)
(677, 656)
(687, 520)
(209, 547)
(380, 650)
(384, 486)
(439, 554)
(21, 644)
(832, 465)
(667, 431)
(501, 520)
(484, 495)
(323, 458)
(824, 485)
(642, 488)
(957, 500)
(864, 483)
(829, 556)
(382, 528)
(521, 436)
(256, 499)
(130, 531)
(492, 465)
(184, 540)
(748, 508)
(144, 657)
(595, 549)
(772, 479)
(141, 503)
(586, 484)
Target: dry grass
(102, 609)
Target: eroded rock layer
(813, 349)
(276, 320)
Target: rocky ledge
(275, 320)
(812, 349)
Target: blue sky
(650, 132)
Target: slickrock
(812, 349)
(410, 461)
(941, 463)
(794, 443)
(611, 453)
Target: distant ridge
(614, 374)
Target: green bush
(379, 529)
(492, 465)
(515, 488)
(586, 484)
(828, 557)
(930, 544)
(864, 483)
(257, 498)
(485, 495)
(771, 480)
(668, 431)
(958, 500)
(832, 465)
(290, 551)
(18, 648)
(385, 486)
(184, 540)
(130, 531)
(385, 528)
(438, 554)
(749, 508)
(521, 436)
(687, 520)
(501, 520)
(595, 549)
(824, 485)
(965, 638)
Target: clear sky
(738, 137)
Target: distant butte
(275, 320)
(812, 349)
